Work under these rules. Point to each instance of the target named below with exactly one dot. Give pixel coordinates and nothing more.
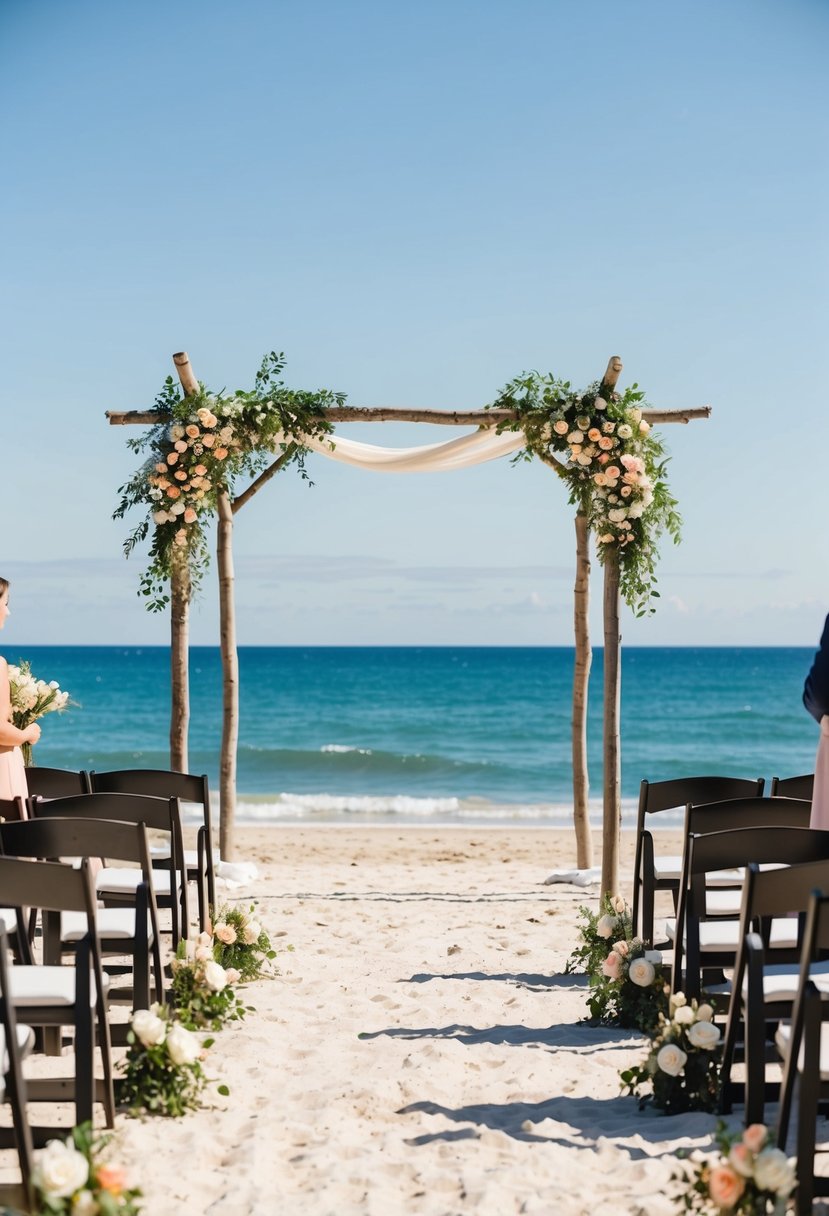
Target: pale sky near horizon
(416, 203)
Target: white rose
(85, 1204)
(624, 431)
(149, 1028)
(671, 1059)
(214, 976)
(60, 1169)
(635, 415)
(202, 954)
(177, 432)
(560, 427)
(642, 972)
(684, 1016)
(704, 1035)
(636, 510)
(617, 903)
(774, 1172)
(178, 508)
(182, 1046)
(251, 932)
(600, 404)
(606, 926)
(677, 999)
(617, 514)
(705, 1013)
(159, 517)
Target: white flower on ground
(677, 999)
(704, 1035)
(671, 1059)
(774, 1172)
(183, 1047)
(85, 1204)
(642, 972)
(607, 925)
(684, 1016)
(214, 976)
(60, 1169)
(149, 1028)
(251, 932)
(225, 933)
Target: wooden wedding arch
(228, 507)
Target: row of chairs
(751, 936)
(94, 914)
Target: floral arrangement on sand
(197, 449)
(162, 1069)
(626, 984)
(752, 1177)
(31, 698)
(682, 1067)
(241, 943)
(614, 466)
(70, 1180)
(202, 989)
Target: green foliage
(619, 993)
(241, 944)
(682, 1067)
(203, 994)
(612, 463)
(197, 450)
(162, 1068)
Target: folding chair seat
(55, 996)
(123, 931)
(803, 1045)
(56, 782)
(187, 788)
(16, 1041)
(766, 973)
(652, 873)
(159, 815)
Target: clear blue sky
(415, 203)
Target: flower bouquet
(751, 1177)
(70, 1181)
(241, 943)
(202, 989)
(682, 1066)
(31, 699)
(626, 986)
(162, 1068)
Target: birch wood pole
(180, 595)
(230, 676)
(581, 679)
(611, 745)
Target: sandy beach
(420, 1049)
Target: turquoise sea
(430, 734)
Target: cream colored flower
(560, 426)
(148, 1027)
(624, 431)
(225, 933)
(671, 1059)
(685, 1016)
(774, 1172)
(85, 1204)
(705, 1013)
(607, 925)
(642, 972)
(704, 1035)
(183, 1047)
(575, 437)
(618, 904)
(251, 932)
(60, 1169)
(214, 976)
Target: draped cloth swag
(460, 453)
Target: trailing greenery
(198, 448)
(203, 992)
(241, 944)
(682, 1067)
(613, 464)
(162, 1068)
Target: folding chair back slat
(793, 787)
(56, 782)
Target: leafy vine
(613, 464)
(197, 449)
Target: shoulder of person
(4, 667)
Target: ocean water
(431, 734)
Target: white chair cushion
(112, 923)
(783, 1041)
(668, 868)
(8, 920)
(781, 980)
(191, 856)
(723, 902)
(119, 880)
(716, 936)
(33, 986)
(25, 1043)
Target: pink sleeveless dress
(12, 773)
(820, 797)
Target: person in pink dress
(12, 769)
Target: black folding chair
(56, 782)
(17, 1043)
(793, 787)
(651, 872)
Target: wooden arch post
(181, 592)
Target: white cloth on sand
(577, 878)
(235, 874)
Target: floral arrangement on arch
(197, 449)
(241, 943)
(70, 1180)
(202, 989)
(163, 1072)
(626, 984)
(682, 1067)
(31, 698)
(752, 1177)
(614, 465)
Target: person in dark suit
(816, 688)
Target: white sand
(473, 1089)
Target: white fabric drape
(459, 453)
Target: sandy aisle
(419, 1052)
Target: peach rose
(161, 468)
(622, 948)
(613, 470)
(560, 427)
(220, 453)
(603, 459)
(201, 469)
(755, 1137)
(172, 457)
(180, 475)
(173, 492)
(189, 516)
(192, 431)
(180, 445)
(612, 966)
(594, 435)
(208, 440)
(225, 933)
(181, 537)
(606, 443)
(644, 427)
(725, 1186)
(111, 1178)
(742, 1159)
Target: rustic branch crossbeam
(391, 413)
